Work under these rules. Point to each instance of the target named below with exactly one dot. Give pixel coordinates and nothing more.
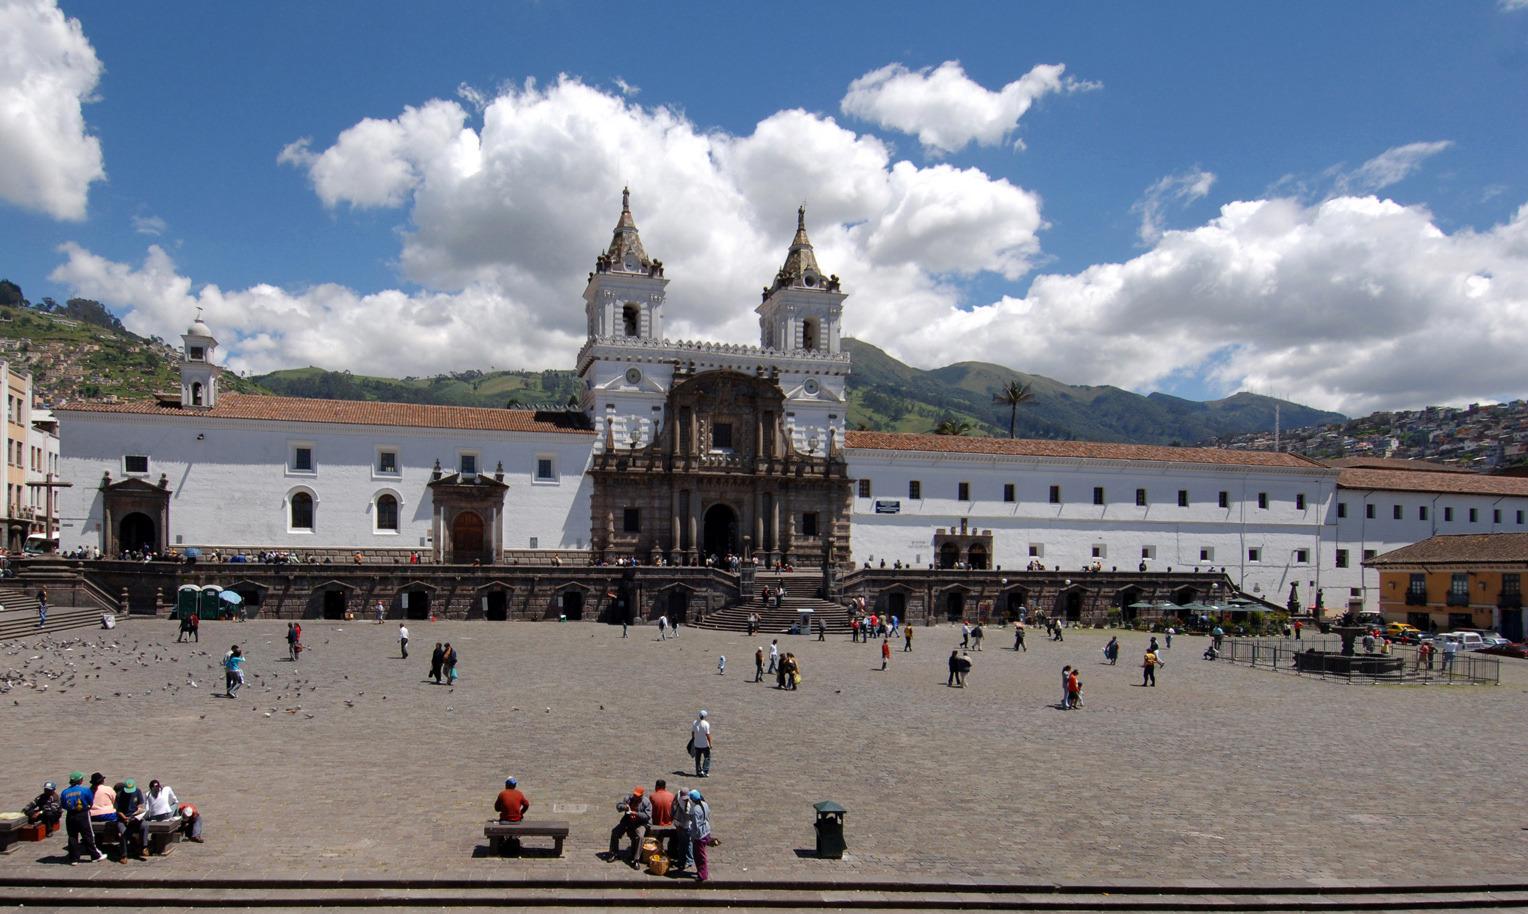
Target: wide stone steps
(22, 623)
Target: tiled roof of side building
(1392, 463)
(355, 412)
(1087, 450)
(1473, 548)
(1428, 481)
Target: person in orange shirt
(511, 804)
(885, 652)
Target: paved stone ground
(1219, 775)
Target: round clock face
(631, 262)
(811, 386)
(633, 376)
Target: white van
(37, 544)
(1467, 641)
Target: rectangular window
(914, 489)
(809, 524)
(1474, 515)
(1495, 515)
(1512, 583)
(1421, 512)
(1369, 512)
(1008, 493)
(1459, 584)
(135, 463)
(963, 491)
(1342, 509)
(1140, 498)
(1183, 498)
(1098, 495)
(1100, 551)
(1148, 552)
(387, 461)
(631, 520)
(1448, 514)
(1342, 558)
(1302, 556)
(1055, 499)
(197, 354)
(721, 436)
(302, 459)
(1519, 517)
(864, 488)
(469, 464)
(1368, 554)
(1254, 555)
(1395, 512)
(1300, 501)
(1262, 500)
(546, 469)
(1037, 550)
(1225, 499)
(1418, 584)
(1206, 553)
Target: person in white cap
(700, 734)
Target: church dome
(198, 329)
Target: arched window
(629, 319)
(387, 512)
(809, 334)
(302, 511)
(196, 393)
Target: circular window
(633, 376)
(811, 386)
(811, 280)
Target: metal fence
(1278, 654)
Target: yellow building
(1453, 582)
(20, 514)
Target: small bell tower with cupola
(198, 376)
(803, 309)
(624, 298)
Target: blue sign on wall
(888, 507)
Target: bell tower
(624, 298)
(198, 376)
(803, 309)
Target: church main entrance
(466, 538)
(721, 534)
(137, 533)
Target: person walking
(700, 833)
(437, 662)
(1149, 669)
(196, 628)
(907, 638)
(1111, 650)
(965, 634)
(1066, 682)
(885, 652)
(962, 668)
(1073, 691)
(448, 663)
(954, 662)
(234, 663)
(42, 607)
(977, 634)
(403, 640)
(1298, 625)
(721, 665)
(292, 646)
(1170, 632)
(663, 628)
(758, 664)
(1018, 637)
(624, 622)
(381, 610)
(774, 655)
(76, 801)
(700, 736)
(185, 629)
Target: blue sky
(1319, 201)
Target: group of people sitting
(126, 809)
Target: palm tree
(952, 426)
(1013, 395)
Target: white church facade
(681, 450)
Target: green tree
(952, 426)
(1013, 395)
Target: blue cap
(694, 794)
(510, 782)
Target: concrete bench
(496, 831)
(10, 833)
(163, 834)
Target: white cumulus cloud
(1179, 190)
(945, 108)
(48, 71)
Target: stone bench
(496, 831)
(163, 833)
(10, 833)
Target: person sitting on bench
(511, 807)
(46, 808)
(161, 804)
(131, 825)
(636, 811)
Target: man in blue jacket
(76, 801)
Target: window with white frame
(135, 464)
(1037, 550)
(546, 469)
(300, 457)
(467, 462)
(1148, 552)
(387, 513)
(1100, 551)
(387, 461)
(1206, 553)
(300, 512)
(1254, 554)
(1302, 556)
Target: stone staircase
(800, 593)
(22, 623)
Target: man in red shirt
(511, 804)
(663, 804)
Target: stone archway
(949, 555)
(467, 538)
(138, 532)
(721, 532)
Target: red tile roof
(1428, 481)
(1024, 447)
(1469, 548)
(355, 412)
(1392, 463)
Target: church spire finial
(626, 199)
(801, 218)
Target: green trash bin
(830, 830)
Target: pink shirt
(105, 801)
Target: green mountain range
(884, 395)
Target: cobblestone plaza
(349, 764)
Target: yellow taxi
(1401, 632)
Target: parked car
(1416, 637)
(1492, 639)
(1467, 641)
(1509, 649)
(1400, 631)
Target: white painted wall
(232, 485)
